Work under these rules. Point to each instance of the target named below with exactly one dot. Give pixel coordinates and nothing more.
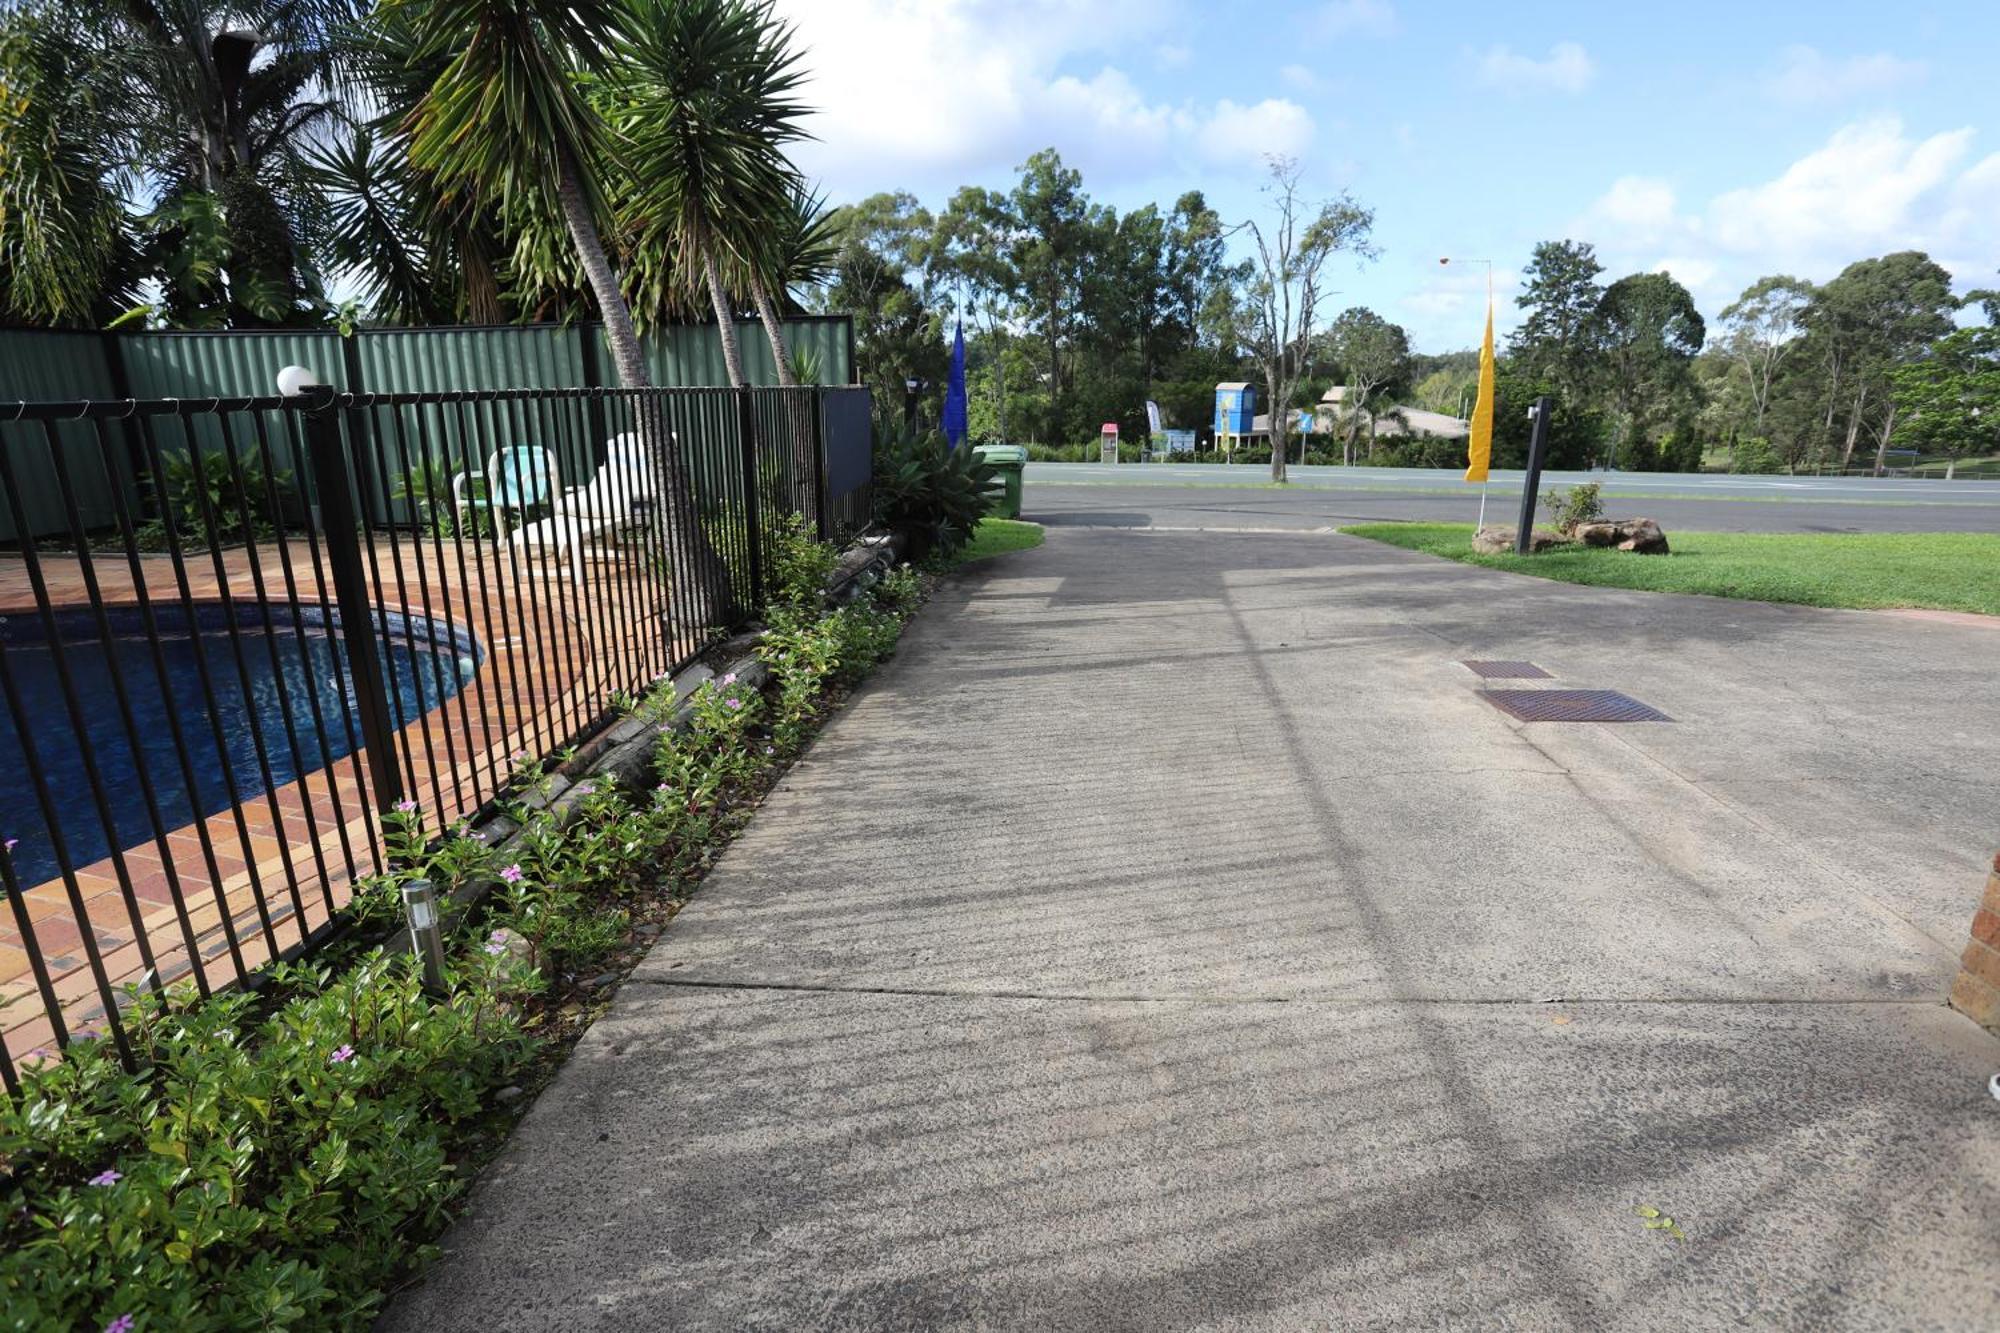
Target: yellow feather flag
(1479, 444)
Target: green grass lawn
(1950, 571)
(997, 536)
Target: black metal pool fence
(245, 629)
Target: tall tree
(1950, 394)
(1650, 331)
(1051, 249)
(1556, 339)
(196, 117)
(507, 121)
(881, 280)
(1371, 353)
(1760, 329)
(1279, 310)
(1877, 314)
(702, 96)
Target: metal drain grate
(1506, 670)
(1572, 706)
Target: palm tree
(198, 111)
(702, 96)
(795, 250)
(507, 122)
(62, 228)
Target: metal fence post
(753, 507)
(339, 520)
(820, 525)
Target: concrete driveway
(1171, 937)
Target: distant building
(1235, 408)
(1402, 420)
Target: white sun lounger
(597, 510)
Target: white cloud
(1804, 76)
(1299, 77)
(1568, 68)
(1243, 135)
(928, 94)
(1872, 188)
(1367, 18)
(1637, 205)
(1860, 192)
(1693, 274)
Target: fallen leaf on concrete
(1659, 1221)
(1562, 1018)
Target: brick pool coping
(569, 650)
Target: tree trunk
(725, 315)
(768, 313)
(618, 330)
(707, 603)
(1853, 432)
(1882, 449)
(1279, 393)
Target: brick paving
(256, 879)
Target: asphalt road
(1213, 496)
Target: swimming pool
(424, 661)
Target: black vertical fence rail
(235, 633)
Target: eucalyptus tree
(701, 95)
(1279, 309)
(1762, 329)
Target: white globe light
(295, 380)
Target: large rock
(1498, 539)
(1627, 534)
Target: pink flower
(405, 807)
(495, 948)
(512, 874)
(729, 679)
(586, 789)
(342, 1054)
(733, 702)
(103, 1178)
(122, 1324)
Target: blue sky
(1719, 141)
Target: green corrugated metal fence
(59, 365)
(55, 365)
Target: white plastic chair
(600, 508)
(518, 477)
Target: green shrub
(1755, 456)
(263, 1170)
(800, 564)
(1580, 504)
(933, 494)
(209, 508)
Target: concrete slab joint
(1976, 990)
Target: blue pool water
(425, 662)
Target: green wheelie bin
(1008, 460)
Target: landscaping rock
(1498, 539)
(1642, 535)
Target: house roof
(1234, 384)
